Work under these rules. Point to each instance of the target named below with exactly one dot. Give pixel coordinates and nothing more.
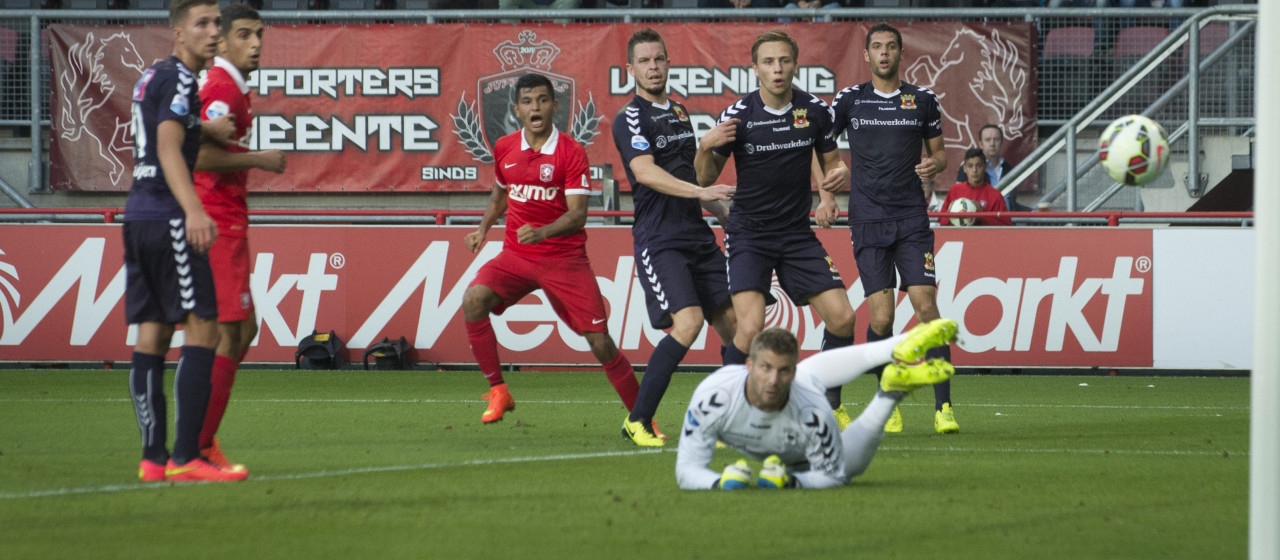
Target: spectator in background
(991, 142)
(975, 187)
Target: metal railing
(1092, 114)
(441, 216)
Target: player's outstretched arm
(496, 207)
(568, 223)
(693, 456)
(201, 230)
(658, 179)
(216, 159)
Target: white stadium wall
(1025, 297)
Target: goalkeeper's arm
(693, 457)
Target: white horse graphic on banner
(86, 87)
(996, 80)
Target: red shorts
(229, 259)
(568, 282)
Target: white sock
(837, 367)
(863, 436)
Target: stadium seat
(1212, 36)
(1138, 41)
(1068, 57)
(1133, 43)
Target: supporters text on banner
(409, 108)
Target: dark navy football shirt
(663, 131)
(886, 139)
(166, 91)
(772, 153)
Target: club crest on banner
(490, 116)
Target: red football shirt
(224, 91)
(537, 184)
(985, 196)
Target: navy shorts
(804, 268)
(678, 277)
(904, 245)
(164, 279)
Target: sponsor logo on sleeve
(179, 105)
(216, 109)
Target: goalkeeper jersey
(804, 434)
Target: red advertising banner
(417, 107)
(1073, 298)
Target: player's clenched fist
(529, 235)
(473, 241)
(721, 134)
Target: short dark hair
(235, 12)
(645, 35)
(883, 27)
(778, 340)
(531, 80)
(975, 153)
(995, 126)
(771, 36)
(178, 9)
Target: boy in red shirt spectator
(977, 189)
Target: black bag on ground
(390, 354)
(320, 351)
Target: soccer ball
(962, 205)
(1134, 150)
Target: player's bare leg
(924, 299)
(616, 367)
(478, 301)
(749, 308)
(725, 322)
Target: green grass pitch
(357, 464)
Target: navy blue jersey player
(773, 134)
(166, 234)
(681, 268)
(890, 123)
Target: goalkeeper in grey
(774, 410)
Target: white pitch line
(565, 401)
(1175, 452)
(113, 488)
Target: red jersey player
(977, 189)
(542, 180)
(220, 181)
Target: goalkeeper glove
(736, 476)
(774, 474)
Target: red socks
(623, 378)
(484, 346)
(224, 376)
